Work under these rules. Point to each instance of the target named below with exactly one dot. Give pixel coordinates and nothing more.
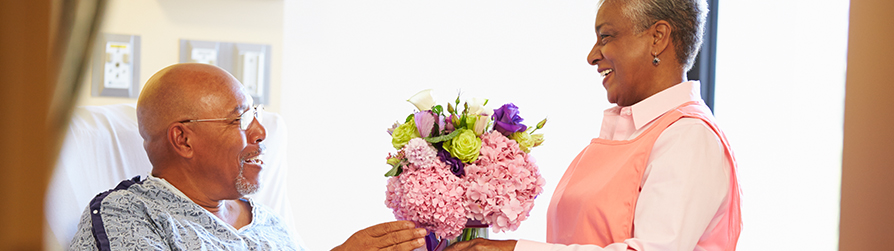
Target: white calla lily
(481, 124)
(423, 100)
(476, 107)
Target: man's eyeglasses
(244, 119)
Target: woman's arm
(684, 186)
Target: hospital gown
(151, 214)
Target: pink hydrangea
(498, 189)
(420, 152)
(502, 184)
(431, 196)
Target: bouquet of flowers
(463, 169)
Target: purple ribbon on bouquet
(433, 244)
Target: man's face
(229, 155)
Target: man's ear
(661, 35)
(179, 137)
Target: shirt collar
(656, 105)
(176, 191)
(169, 186)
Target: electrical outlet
(116, 66)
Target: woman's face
(621, 56)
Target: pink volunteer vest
(595, 200)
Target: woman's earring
(655, 60)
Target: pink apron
(595, 201)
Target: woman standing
(661, 175)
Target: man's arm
(83, 239)
(117, 224)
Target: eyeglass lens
(248, 116)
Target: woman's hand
(480, 244)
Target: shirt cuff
(526, 245)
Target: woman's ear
(179, 137)
(661, 35)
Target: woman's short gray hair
(686, 17)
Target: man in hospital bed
(203, 139)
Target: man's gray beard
(243, 186)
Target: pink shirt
(685, 182)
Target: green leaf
(442, 138)
(395, 171)
(410, 117)
(438, 109)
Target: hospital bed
(103, 147)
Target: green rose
(465, 146)
(403, 134)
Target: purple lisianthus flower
(507, 121)
(456, 165)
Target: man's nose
(256, 131)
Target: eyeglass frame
(245, 116)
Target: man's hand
(483, 245)
(390, 236)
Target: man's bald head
(181, 92)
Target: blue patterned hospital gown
(153, 215)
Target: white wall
(352, 64)
(780, 99)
